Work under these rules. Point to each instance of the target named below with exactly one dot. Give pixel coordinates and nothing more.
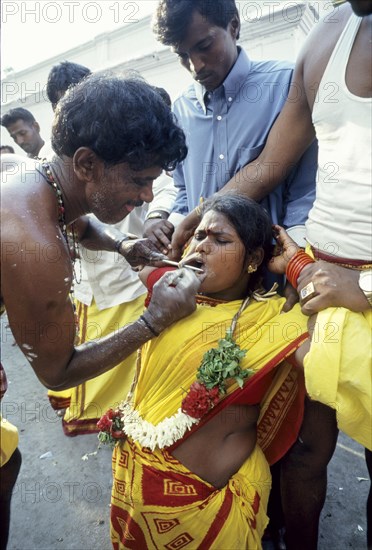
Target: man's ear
(235, 26)
(36, 125)
(86, 163)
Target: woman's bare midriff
(218, 449)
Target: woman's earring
(252, 268)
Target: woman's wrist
(296, 265)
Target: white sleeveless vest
(340, 222)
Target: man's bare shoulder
(319, 46)
(25, 193)
(30, 234)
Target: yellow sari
(156, 501)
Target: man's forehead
(198, 30)
(19, 125)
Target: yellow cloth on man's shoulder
(338, 369)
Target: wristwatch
(365, 284)
(155, 216)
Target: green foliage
(221, 363)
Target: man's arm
(289, 137)
(36, 281)
(334, 285)
(95, 235)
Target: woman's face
(216, 248)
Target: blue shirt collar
(232, 83)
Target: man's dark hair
(250, 220)
(164, 94)
(121, 120)
(173, 17)
(8, 147)
(18, 113)
(61, 77)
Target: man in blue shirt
(228, 111)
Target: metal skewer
(176, 264)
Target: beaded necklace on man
(69, 235)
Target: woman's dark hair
(250, 220)
(121, 120)
(61, 77)
(173, 17)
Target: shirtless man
(304, 115)
(108, 158)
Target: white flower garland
(149, 435)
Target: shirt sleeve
(164, 194)
(181, 205)
(299, 192)
(46, 152)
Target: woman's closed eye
(200, 236)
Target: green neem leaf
(221, 363)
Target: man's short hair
(173, 17)
(61, 77)
(18, 113)
(7, 147)
(121, 120)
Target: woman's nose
(204, 246)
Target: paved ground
(61, 501)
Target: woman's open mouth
(193, 261)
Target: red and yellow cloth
(156, 501)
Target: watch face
(154, 216)
(365, 281)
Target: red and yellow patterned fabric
(156, 501)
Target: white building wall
(271, 32)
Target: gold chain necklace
(73, 250)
